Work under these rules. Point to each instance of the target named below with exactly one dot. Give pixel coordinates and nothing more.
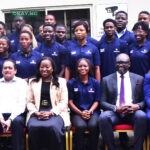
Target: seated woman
(84, 96)
(47, 103)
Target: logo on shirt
(12, 41)
(144, 51)
(91, 90)
(75, 89)
(116, 50)
(54, 54)
(18, 62)
(131, 51)
(102, 50)
(74, 52)
(88, 52)
(32, 62)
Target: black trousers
(46, 134)
(109, 118)
(82, 125)
(18, 135)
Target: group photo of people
(49, 83)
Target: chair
(9, 134)
(126, 128)
(69, 137)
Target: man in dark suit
(125, 109)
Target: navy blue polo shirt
(84, 95)
(108, 53)
(39, 38)
(89, 39)
(56, 51)
(88, 51)
(26, 65)
(128, 37)
(14, 40)
(140, 58)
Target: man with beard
(123, 102)
(49, 47)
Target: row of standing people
(117, 39)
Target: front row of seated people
(46, 99)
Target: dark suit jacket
(109, 91)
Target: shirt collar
(126, 75)
(13, 80)
(119, 34)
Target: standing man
(14, 36)
(110, 46)
(12, 104)
(122, 32)
(123, 102)
(49, 47)
(50, 19)
(144, 16)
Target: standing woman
(26, 59)
(47, 103)
(84, 97)
(4, 51)
(140, 50)
(80, 48)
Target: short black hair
(109, 20)
(50, 25)
(121, 11)
(144, 12)
(81, 22)
(143, 25)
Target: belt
(44, 103)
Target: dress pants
(82, 125)
(17, 127)
(18, 135)
(108, 119)
(46, 134)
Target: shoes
(124, 140)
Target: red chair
(126, 128)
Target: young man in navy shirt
(110, 46)
(49, 47)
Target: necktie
(122, 99)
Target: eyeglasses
(61, 32)
(122, 62)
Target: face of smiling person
(140, 34)
(8, 70)
(46, 69)
(3, 45)
(83, 68)
(80, 32)
(25, 41)
(48, 33)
